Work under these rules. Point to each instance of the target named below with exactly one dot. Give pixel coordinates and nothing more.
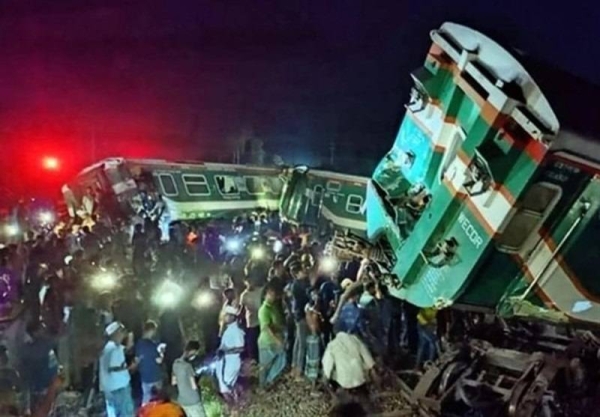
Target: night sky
(183, 79)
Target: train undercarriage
(494, 367)
(478, 379)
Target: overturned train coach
(188, 190)
(489, 201)
(485, 200)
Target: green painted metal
(324, 200)
(509, 226)
(189, 190)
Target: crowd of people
(87, 305)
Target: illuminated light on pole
(51, 163)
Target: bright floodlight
(46, 217)
(104, 282)
(277, 246)
(233, 245)
(203, 299)
(168, 294)
(258, 253)
(329, 264)
(12, 229)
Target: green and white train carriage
(324, 201)
(212, 190)
(189, 190)
(512, 216)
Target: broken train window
(418, 99)
(478, 178)
(444, 253)
(410, 206)
(227, 184)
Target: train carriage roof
(165, 164)
(576, 103)
(336, 176)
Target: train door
(313, 203)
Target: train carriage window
(418, 99)
(536, 205)
(255, 185)
(479, 177)
(334, 186)
(354, 203)
(196, 185)
(317, 195)
(227, 185)
(168, 185)
(276, 185)
(266, 184)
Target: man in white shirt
(230, 364)
(114, 373)
(347, 361)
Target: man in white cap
(114, 373)
(230, 363)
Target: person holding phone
(150, 355)
(184, 379)
(115, 380)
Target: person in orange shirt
(160, 406)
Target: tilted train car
(485, 201)
(324, 201)
(189, 190)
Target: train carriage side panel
(558, 278)
(343, 198)
(323, 199)
(545, 204)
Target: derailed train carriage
(187, 190)
(324, 202)
(489, 201)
